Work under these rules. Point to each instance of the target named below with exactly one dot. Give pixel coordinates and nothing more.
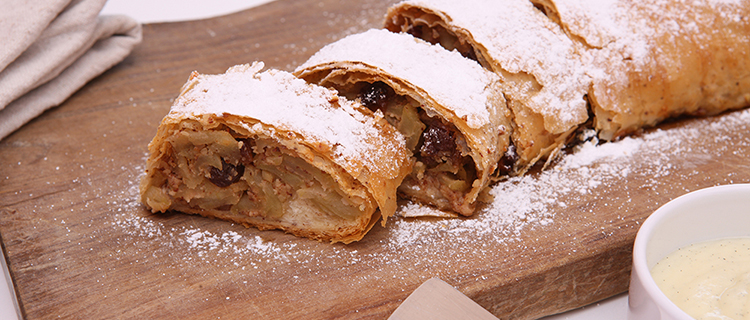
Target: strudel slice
(659, 59)
(451, 111)
(545, 81)
(268, 150)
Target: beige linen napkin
(50, 49)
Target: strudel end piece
(268, 150)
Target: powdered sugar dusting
(577, 17)
(724, 2)
(590, 152)
(521, 205)
(589, 169)
(520, 40)
(287, 103)
(458, 84)
(638, 31)
(631, 27)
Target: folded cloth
(51, 48)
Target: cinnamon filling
(218, 170)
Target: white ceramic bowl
(707, 214)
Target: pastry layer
(653, 60)
(545, 81)
(450, 110)
(268, 150)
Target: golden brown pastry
(653, 60)
(451, 110)
(268, 150)
(545, 78)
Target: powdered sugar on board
(279, 99)
(550, 200)
(456, 83)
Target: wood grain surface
(80, 245)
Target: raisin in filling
(246, 151)
(375, 96)
(227, 175)
(230, 173)
(444, 172)
(508, 161)
(436, 140)
(438, 144)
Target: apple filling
(444, 172)
(220, 171)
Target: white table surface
(150, 11)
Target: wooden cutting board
(80, 245)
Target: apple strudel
(545, 79)
(451, 111)
(654, 60)
(268, 150)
